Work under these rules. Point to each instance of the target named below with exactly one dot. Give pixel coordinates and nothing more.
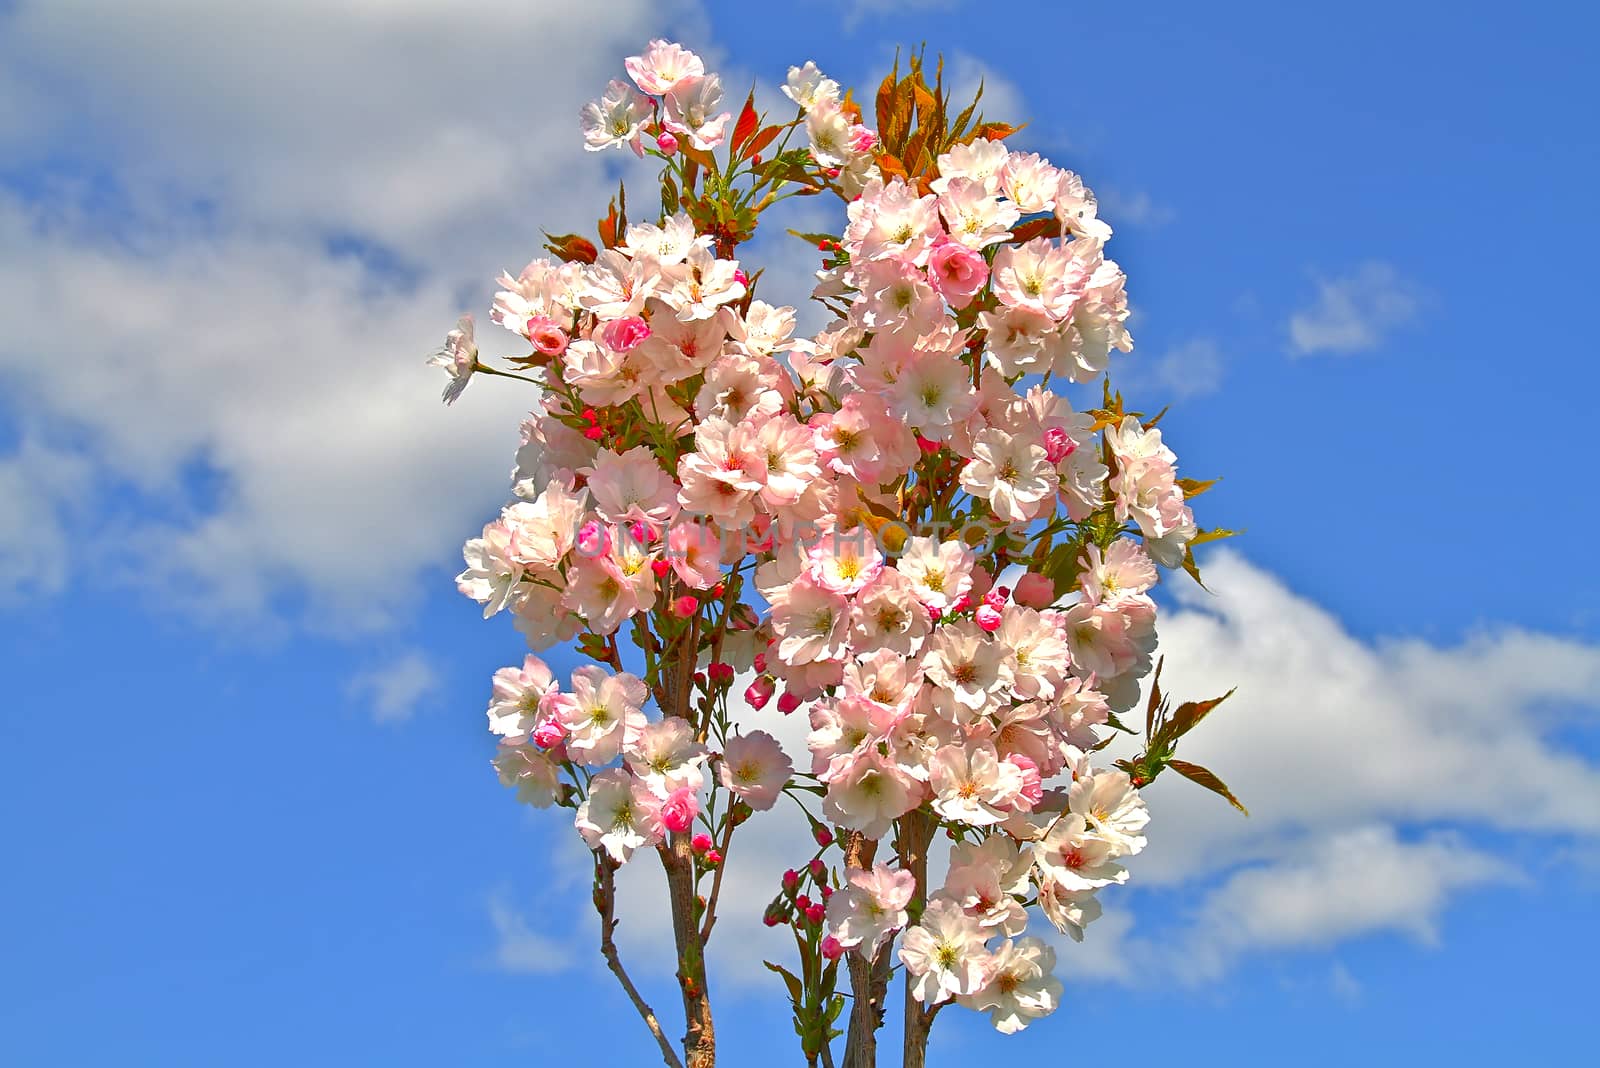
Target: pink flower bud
(548, 733)
(740, 277)
(834, 172)
(1035, 591)
(963, 604)
(594, 539)
(791, 879)
(788, 702)
(686, 606)
(819, 870)
(547, 336)
(721, 674)
(816, 913)
(996, 598)
(802, 902)
(831, 949)
(988, 618)
(640, 532)
(926, 445)
(667, 143)
(700, 679)
(700, 842)
(679, 809)
(713, 858)
(1032, 791)
(660, 567)
(595, 433)
(760, 691)
(1057, 445)
(625, 334)
(826, 891)
(760, 663)
(823, 836)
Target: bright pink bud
(679, 809)
(1032, 791)
(963, 604)
(740, 277)
(700, 679)
(667, 143)
(625, 334)
(831, 949)
(1035, 591)
(760, 691)
(594, 539)
(834, 172)
(927, 446)
(996, 598)
(819, 870)
(548, 733)
(934, 613)
(988, 618)
(802, 902)
(760, 663)
(660, 567)
(721, 674)
(788, 702)
(816, 913)
(547, 336)
(686, 606)
(1057, 445)
(827, 892)
(595, 433)
(700, 842)
(823, 836)
(713, 858)
(772, 918)
(640, 532)
(791, 879)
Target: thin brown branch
(716, 878)
(605, 900)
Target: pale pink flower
(970, 784)
(1111, 807)
(695, 552)
(534, 776)
(1123, 569)
(869, 793)
(615, 119)
(521, 697)
(1013, 473)
(1034, 590)
(632, 486)
(663, 65)
(619, 815)
(843, 561)
(811, 621)
(602, 714)
(1076, 857)
(666, 757)
(807, 86)
(546, 335)
(957, 272)
(690, 110)
(1021, 988)
(940, 573)
(755, 768)
(944, 954)
(459, 356)
(871, 908)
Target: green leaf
(1214, 534)
(792, 981)
(815, 239)
(1196, 774)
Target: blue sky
(1358, 249)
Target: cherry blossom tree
(931, 529)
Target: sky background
(248, 813)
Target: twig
(605, 899)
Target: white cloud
(1354, 312)
(1383, 778)
(394, 689)
(223, 344)
(857, 10)
(518, 947)
(1002, 99)
(1138, 208)
(1191, 369)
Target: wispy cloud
(394, 689)
(518, 947)
(1191, 369)
(1136, 208)
(1331, 804)
(855, 11)
(1354, 312)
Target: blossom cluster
(967, 678)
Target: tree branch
(605, 900)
